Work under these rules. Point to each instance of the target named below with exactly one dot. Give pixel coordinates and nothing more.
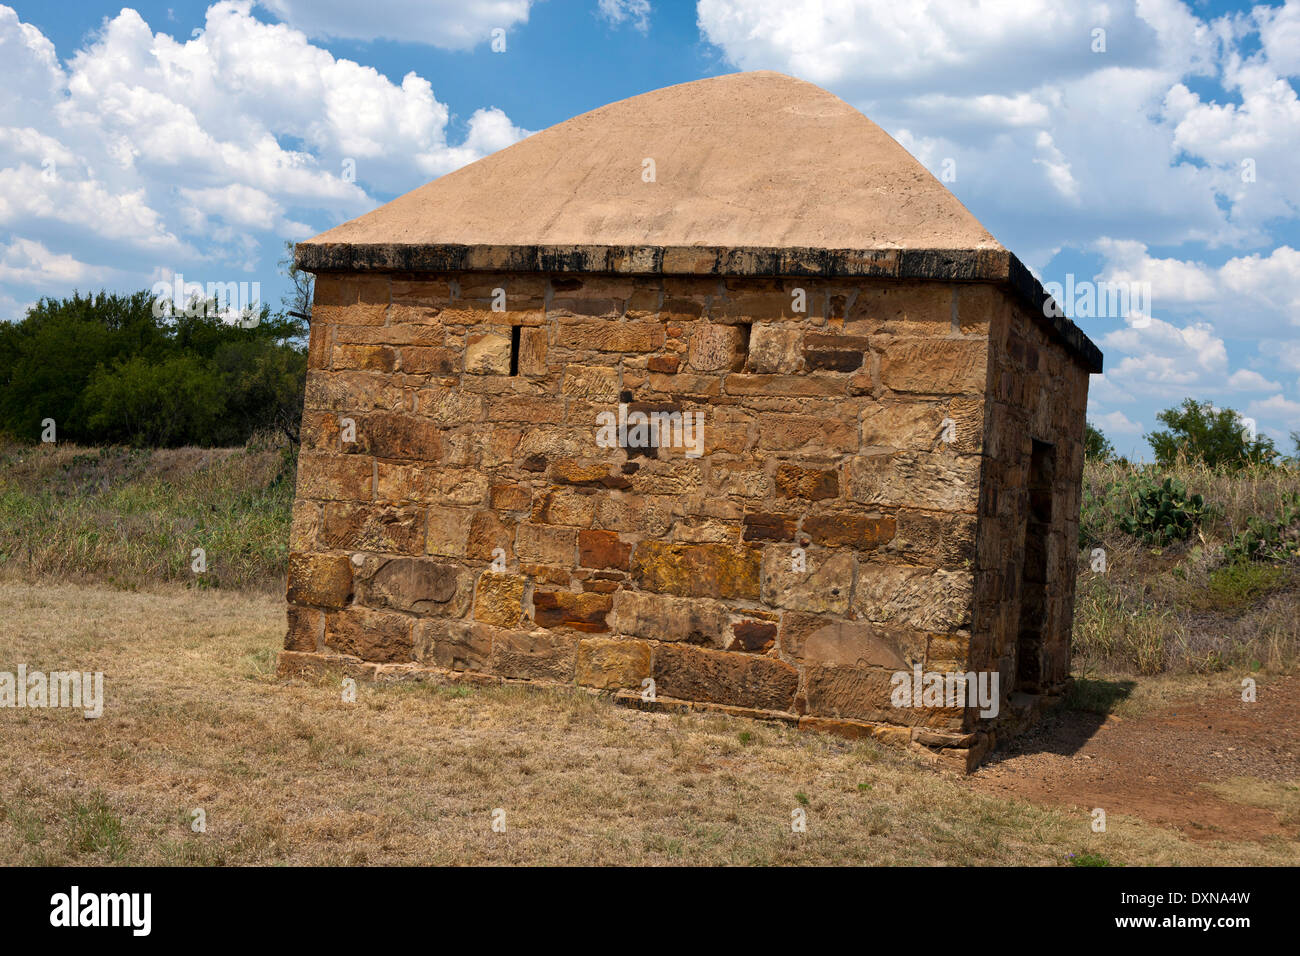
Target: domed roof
(749, 160)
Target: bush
(1277, 539)
(1160, 512)
(107, 370)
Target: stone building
(713, 398)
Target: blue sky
(1158, 155)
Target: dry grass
(1183, 607)
(132, 517)
(289, 773)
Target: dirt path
(1157, 766)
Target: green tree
(1096, 446)
(165, 403)
(108, 370)
(1214, 436)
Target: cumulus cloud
(1251, 294)
(1081, 112)
(636, 13)
(450, 24)
(202, 153)
(26, 262)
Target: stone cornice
(952, 265)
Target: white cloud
(1165, 360)
(634, 12)
(1277, 407)
(1092, 142)
(1117, 423)
(1248, 380)
(450, 24)
(202, 153)
(1256, 293)
(27, 262)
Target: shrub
(1159, 512)
(1275, 539)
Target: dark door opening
(1033, 577)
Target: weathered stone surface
(584, 611)
(331, 477)
(775, 350)
(499, 599)
(533, 346)
(724, 677)
(612, 336)
(765, 526)
(930, 598)
(812, 434)
(322, 580)
(936, 539)
(934, 366)
(823, 584)
(490, 537)
(716, 347)
(816, 639)
(752, 635)
(306, 626)
(393, 435)
(697, 570)
(612, 664)
(591, 383)
(912, 426)
(603, 549)
(850, 530)
(534, 655)
(546, 544)
(935, 481)
(382, 528)
(661, 617)
(854, 693)
(374, 358)
(448, 531)
(380, 636)
(814, 484)
(487, 354)
(455, 645)
(418, 585)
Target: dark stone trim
(953, 265)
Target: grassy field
(95, 574)
(133, 517)
(1182, 607)
(289, 773)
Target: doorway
(1033, 576)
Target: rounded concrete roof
(746, 160)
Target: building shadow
(1065, 728)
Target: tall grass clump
(128, 516)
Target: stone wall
(852, 433)
(1037, 393)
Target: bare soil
(1166, 766)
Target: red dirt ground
(1154, 766)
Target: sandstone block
(697, 570)
(612, 664)
(499, 599)
(321, 580)
(586, 611)
(724, 677)
(379, 636)
(661, 617)
(823, 584)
